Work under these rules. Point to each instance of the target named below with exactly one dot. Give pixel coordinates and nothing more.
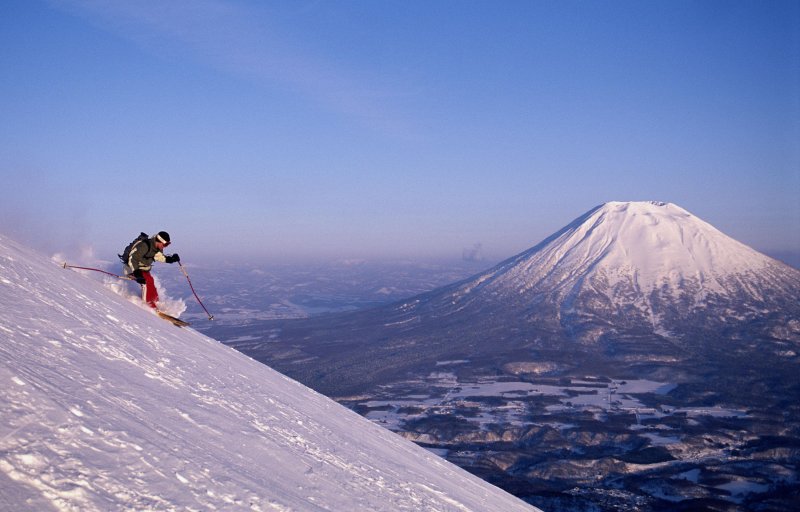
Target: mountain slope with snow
(644, 267)
(107, 407)
(648, 261)
(647, 244)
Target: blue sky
(329, 129)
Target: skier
(141, 254)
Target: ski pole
(210, 316)
(97, 270)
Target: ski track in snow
(107, 407)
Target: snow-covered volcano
(634, 264)
(647, 245)
(104, 406)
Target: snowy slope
(107, 407)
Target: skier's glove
(173, 259)
(139, 277)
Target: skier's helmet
(163, 237)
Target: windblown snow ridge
(107, 407)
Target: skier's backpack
(127, 252)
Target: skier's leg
(149, 292)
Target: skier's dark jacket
(142, 255)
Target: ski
(175, 321)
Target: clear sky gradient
(330, 129)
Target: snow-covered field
(105, 406)
(446, 395)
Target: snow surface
(107, 407)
